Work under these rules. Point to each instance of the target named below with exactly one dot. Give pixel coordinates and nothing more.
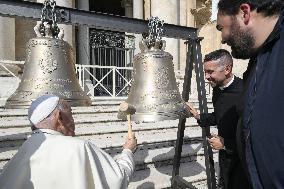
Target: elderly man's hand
(216, 142)
(131, 143)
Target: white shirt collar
(228, 84)
(46, 131)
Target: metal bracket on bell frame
(193, 57)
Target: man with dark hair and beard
(226, 91)
(255, 30)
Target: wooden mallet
(128, 109)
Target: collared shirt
(46, 131)
(228, 84)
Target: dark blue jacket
(263, 115)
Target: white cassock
(50, 160)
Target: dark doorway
(109, 48)
(107, 6)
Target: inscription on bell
(43, 80)
(46, 42)
(161, 108)
(163, 79)
(164, 95)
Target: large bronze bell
(49, 69)
(154, 95)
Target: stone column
(68, 29)
(138, 13)
(168, 11)
(138, 7)
(82, 37)
(147, 9)
(128, 5)
(7, 38)
(190, 22)
(185, 19)
(190, 4)
(7, 52)
(83, 45)
(24, 32)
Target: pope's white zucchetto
(42, 108)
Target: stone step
(102, 107)
(75, 110)
(160, 154)
(151, 152)
(116, 139)
(100, 125)
(157, 169)
(107, 102)
(87, 130)
(143, 137)
(22, 121)
(160, 177)
(146, 154)
(97, 118)
(116, 136)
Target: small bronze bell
(49, 69)
(154, 95)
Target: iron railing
(110, 51)
(120, 83)
(110, 81)
(4, 66)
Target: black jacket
(263, 115)
(225, 116)
(225, 113)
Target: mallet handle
(129, 126)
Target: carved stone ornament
(203, 13)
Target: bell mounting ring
(49, 19)
(155, 31)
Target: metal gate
(112, 55)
